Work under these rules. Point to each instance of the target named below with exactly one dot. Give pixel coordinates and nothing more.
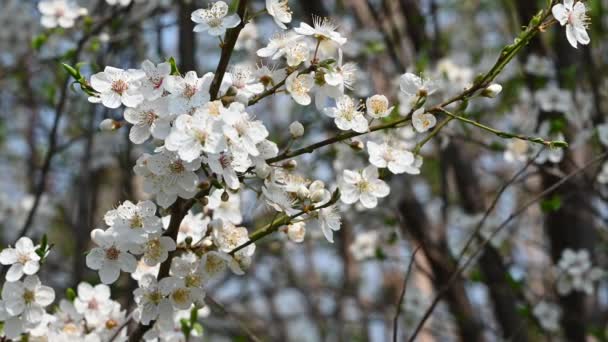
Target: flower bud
(356, 145)
(207, 242)
(290, 164)
(108, 125)
(204, 185)
(296, 232)
(263, 171)
(318, 195)
(296, 129)
(492, 90)
(303, 192)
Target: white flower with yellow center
(133, 222)
(397, 160)
(422, 121)
(215, 19)
(363, 186)
(323, 29)
(297, 53)
(278, 44)
(280, 12)
(347, 115)
(116, 86)
(23, 259)
(110, 257)
(28, 299)
(377, 106)
(299, 87)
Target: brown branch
(227, 47)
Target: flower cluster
(576, 272)
(203, 148)
(23, 301)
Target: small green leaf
(551, 204)
(72, 71)
(70, 294)
(193, 315)
(174, 69)
(39, 41)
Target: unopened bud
(207, 242)
(108, 125)
(492, 90)
(318, 196)
(204, 185)
(356, 145)
(263, 171)
(290, 164)
(296, 232)
(303, 192)
(296, 129)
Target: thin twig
(482, 245)
(402, 295)
(244, 327)
(486, 214)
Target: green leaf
(193, 315)
(41, 251)
(234, 4)
(72, 71)
(551, 204)
(70, 294)
(174, 69)
(39, 41)
(185, 327)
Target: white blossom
(242, 80)
(396, 159)
(574, 17)
(422, 121)
(377, 106)
(229, 210)
(278, 44)
(149, 118)
(347, 115)
(576, 272)
(152, 301)
(133, 222)
(215, 19)
(548, 315)
(188, 92)
(116, 86)
(22, 258)
(192, 135)
(280, 12)
(62, 13)
(299, 86)
(93, 302)
(323, 29)
(363, 186)
(110, 257)
(153, 85)
(27, 298)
